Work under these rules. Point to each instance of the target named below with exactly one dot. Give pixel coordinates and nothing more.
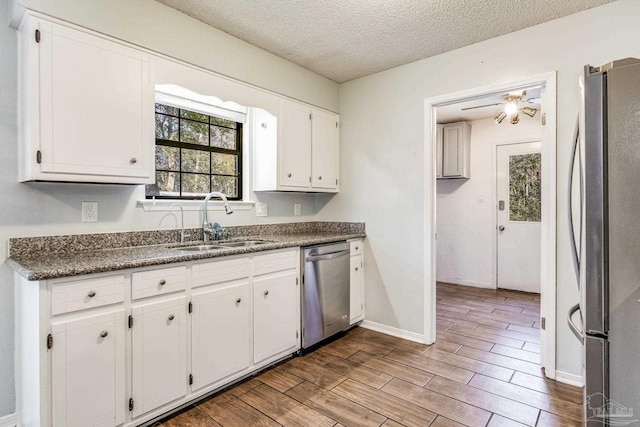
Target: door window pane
(525, 201)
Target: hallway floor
(482, 371)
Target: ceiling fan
(512, 106)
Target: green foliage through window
(195, 155)
(525, 193)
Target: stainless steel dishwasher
(325, 291)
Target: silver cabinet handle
(289, 175)
(501, 228)
(91, 294)
(162, 282)
(133, 161)
(171, 317)
(103, 334)
(239, 300)
(266, 293)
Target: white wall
(52, 209)
(464, 224)
(382, 150)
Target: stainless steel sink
(220, 245)
(197, 248)
(243, 243)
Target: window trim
(203, 148)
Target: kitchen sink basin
(244, 243)
(220, 245)
(197, 248)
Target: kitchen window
(196, 154)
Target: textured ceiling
(347, 39)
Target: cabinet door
(88, 371)
(357, 289)
(452, 151)
(220, 333)
(439, 132)
(275, 321)
(159, 352)
(295, 145)
(96, 106)
(324, 147)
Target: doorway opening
(527, 213)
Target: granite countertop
(40, 264)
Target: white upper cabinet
(295, 145)
(86, 107)
(456, 148)
(324, 152)
(297, 151)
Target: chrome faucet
(208, 230)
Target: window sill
(149, 205)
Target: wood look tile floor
(482, 371)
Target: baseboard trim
(571, 379)
(10, 420)
(389, 330)
(465, 283)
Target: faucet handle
(217, 227)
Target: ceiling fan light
(529, 111)
(500, 117)
(511, 108)
(515, 119)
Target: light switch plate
(262, 209)
(297, 209)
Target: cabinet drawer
(356, 247)
(157, 282)
(275, 261)
(224, 270)
(88, 293)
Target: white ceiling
(346, 39)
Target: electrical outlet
(296, 209)
(89, 211)
(262, 209)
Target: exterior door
(518, 186)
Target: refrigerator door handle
(574, 242)
(574, 328)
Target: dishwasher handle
(332, 255)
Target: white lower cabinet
(220, 333)
(120, 349)
(275, 318)
(158, 353)
(356, 276)
(88, 370)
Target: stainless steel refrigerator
(607, 242)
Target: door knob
(501, 228)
